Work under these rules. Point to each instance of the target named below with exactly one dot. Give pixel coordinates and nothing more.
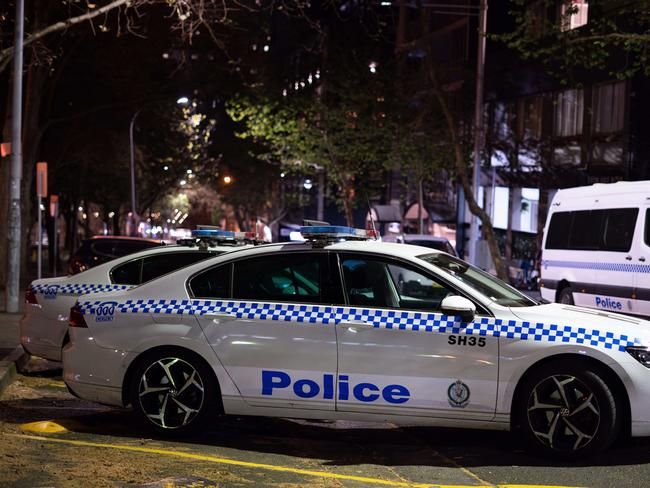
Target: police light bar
(336, 232)
(213, 236)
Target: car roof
(125, 238)
(423, 237)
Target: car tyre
(173, 392)
(566, 296)
(566, 410)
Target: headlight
(640, 353)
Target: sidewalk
(12, 355)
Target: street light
(180, 101)
(227, 180)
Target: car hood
(579, 317)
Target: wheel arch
(610, 377)
(156, 350)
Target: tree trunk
(508, 249)
(460, 164)
(420, 203)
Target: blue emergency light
(213, 233)
(336, 232)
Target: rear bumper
(95, 393)
(92, 372)
(42, 336)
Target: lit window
(609, 107)
(574, 14)
(569, 106)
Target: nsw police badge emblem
(458, 394)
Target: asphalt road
(50, 438)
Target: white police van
(44, 323)
(596, 250)
(326, 330)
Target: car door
(613, 287)
(272, 337)
(398, 354)
(642, 258)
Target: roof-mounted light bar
(335, 232)
(206, 235)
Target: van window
(585, 232)
(618, 229)
(558, 231)
(647, 227)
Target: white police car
(326, 330)
(48, 301)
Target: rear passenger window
(212, 283)
(618, 229)
(127, 273)
(160, 264)
(647, 227)
(280, 278)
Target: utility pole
(478, 127)
(13, 272)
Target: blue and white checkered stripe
(388, 319)
(621, 267)
(77, 288)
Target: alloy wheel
(563, 413)
(171, 393)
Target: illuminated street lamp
(183, 101)
(227, 180)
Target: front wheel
(567, 411)
(566, 296)
(173, 393)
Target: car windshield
(486, 284)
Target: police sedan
(343, 328)
(47, 301)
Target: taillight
(76, 318)
(30, 297)
(76, 265)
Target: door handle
(356, 323)
(629, 258)
(642, 259)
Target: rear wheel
(567, 410)
(173, 392)
(566, 296)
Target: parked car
(325, 329)
(100, 249)
(596, 250)
(424, 240)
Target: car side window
(294, 277)
(212, 283)
(374, 282)
(647, 227)
(128, 273)
(160, 264)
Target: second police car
(364, 330)
(44, 324)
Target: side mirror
(456, 305)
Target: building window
(569, 106)
(502, 120)
(574, 14)
(529, 119)
(609, 107)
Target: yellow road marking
(268, 467)
(44, 427)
